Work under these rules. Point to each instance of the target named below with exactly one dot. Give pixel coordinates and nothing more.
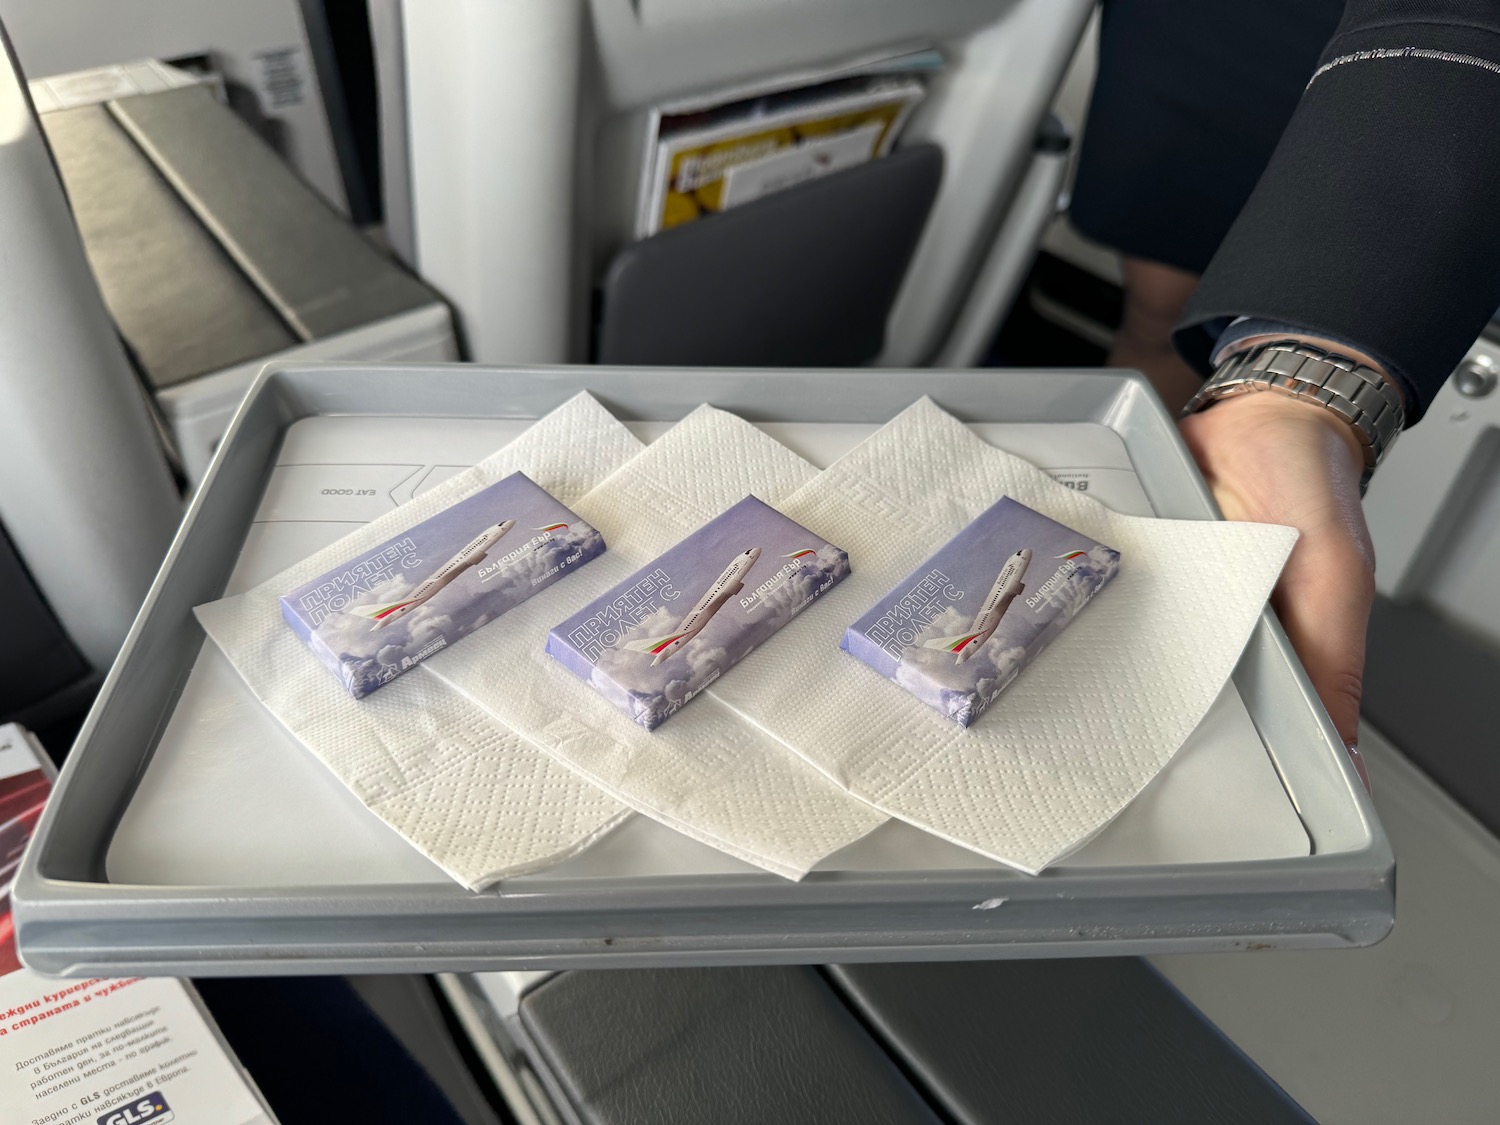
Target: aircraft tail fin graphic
(951, 644)
(376, 612)
(652, 644)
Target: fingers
(1277, 460)
(1324, 601)
(1280, 461)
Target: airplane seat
(88, 504)
(43, 676)
(1079, 1040)
(511, 136)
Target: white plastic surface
(984, 114)
(1400, 1032)
(230, 798)
(85, 494)
(105, 83)
(199, 410)
(261, 47)
(493, 123)
(1006, 264)
(1434, 507)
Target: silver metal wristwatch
(1358, 394)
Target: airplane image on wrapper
(675, 626)
(955, 633)
(394, 605)
(726, 586)
(472, 555)
(1007, 586)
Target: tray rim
(1341, 894)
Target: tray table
(190, 834)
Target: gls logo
(152, 1107)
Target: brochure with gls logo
(99, 1052)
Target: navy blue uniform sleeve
(1377, 220)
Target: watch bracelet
(1359, 395)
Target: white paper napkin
(467, 792)
(1083, 729)
(705, 771)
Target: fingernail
(1359, 765)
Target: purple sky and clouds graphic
(365, 657)
(591, 643)
(890, 637)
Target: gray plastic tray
(72, 920)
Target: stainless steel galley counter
(190, 834)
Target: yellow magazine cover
(708, 162)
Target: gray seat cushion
(762, 1046)
(1073, 1041)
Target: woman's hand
(1271, 459)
